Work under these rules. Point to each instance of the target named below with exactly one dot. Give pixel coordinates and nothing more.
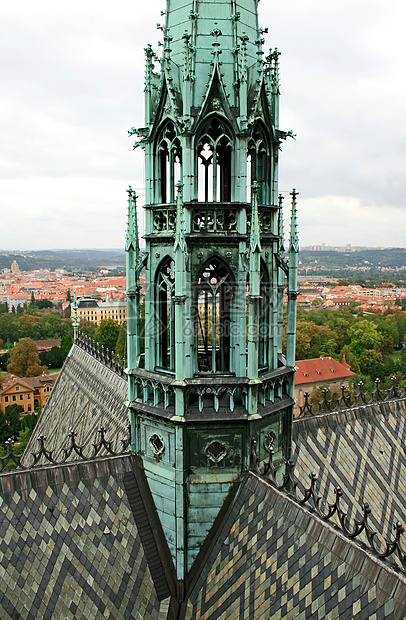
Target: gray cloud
(72, 84)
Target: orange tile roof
(321, 369)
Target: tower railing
(283, 478)
(210, 217)
(101, 354)
(351, 398)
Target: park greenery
(373, 344)
(34, 323)
(17, 429)
(24, 360)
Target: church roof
(360, 450)
(87, 396)
(72, 545)
(91, 528)
(272, 558)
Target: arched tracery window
(169, 155)
(165, 290)
(214, 162)
(258, 163)
(214, 295)
(264, 319)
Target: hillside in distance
(70, 260)
(390, 258)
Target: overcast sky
(71, 85)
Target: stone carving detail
(157, 444)
(216, 451)
(163, 220)
(214, 220)
(265, 221)
(269, 440)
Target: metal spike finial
(255, 240)
(132, 239)
(180, 232)
(294, 237)
(281, 227)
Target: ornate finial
(132, 240)
(189, 50)
(179, 233)
(216, 33)
(244, 39)
(255, 240)
(294, 238)
(167, 43)
(149, 65)
(274, 56)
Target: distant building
(319, 372)
(15, 269)
(28, 392)
(46, 345)
(95, 311)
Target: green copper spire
(212, 32)
(132, 242)
(292, 284)
(255, 237)
(281, 228)
(213, 372)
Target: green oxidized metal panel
(215, 461)
(157, 441)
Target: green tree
(68, 296)
(44, 303)
(54, 358)
(121, 348)
(350, 358)
(87, 327)
(32, 300)
(12, 421)
(29, 422)
(24, 360)
(364, 336)
(8, 327)
(4, 361)
(66, 343)
(314, 340)
(371, 363)
(107, 333)
(317, 301)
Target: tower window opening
(214, 163)
(258, 162)
(169, 163)
(214, 295)
(166, 315)
(264, 319)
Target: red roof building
(319, 372)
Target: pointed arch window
(264, 319)
(169, 153)
(258, 164)
(214, 150)
(214, 296)
(165, 290)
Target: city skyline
(70, 93)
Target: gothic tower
(207, 367)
